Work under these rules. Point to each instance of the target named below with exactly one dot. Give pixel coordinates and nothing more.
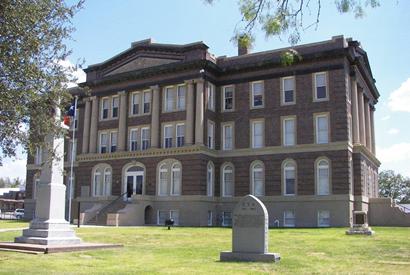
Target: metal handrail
(105, 207)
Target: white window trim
(112, 107)
(223, 125)
(223, 98)
(284, 119)
(142, 137)
(284, 218)
(223, 218)
(164, 135)
(317, 183)
(212, 145)
(173, 169)
(253, 94)
(252, 137)
(316, 124)
(315, 99)
(110, 141)
(176, 133)
(211, 96)
(252, 177)
(282, 93)
(176, 107)
(143, 102)
(210, 188)
(284, 169)
(131, 130)
(102, 108)
(100, 142)
(318, 218)
(223, 180)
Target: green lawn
(153, 250)
(4, 224)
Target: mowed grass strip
(185, 250)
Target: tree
(32, 78)
(394, 185)
(286, 17)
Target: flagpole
(74, 144)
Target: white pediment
(141, 63)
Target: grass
(184, 250)
(5, 224)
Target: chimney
(242, 49)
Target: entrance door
(134, 180)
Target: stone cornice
(359, 148)
(198, 149)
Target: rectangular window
(38, 159)
(289, 218)
(321, 87)
(168, 136)
(227, 137)
(147, 102)
(162, 216)
(145, 138)
(181, 98)
(289, 131)
(180, 134)
(105, 108)
(211, 96)
(228, 103)
(211, 135)
(133, 139)
(257, 94)
(115, 106)
(174, 214)
(322, 129)
(113, 142)
(135, 106)
(257, 134)
(103, 143)
(226, 219)
(288, 90)
(209, 218)
(169, 99)
(323, 218)
(290, 181)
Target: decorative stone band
(358, 148)
(198, 149)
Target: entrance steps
(100, 212)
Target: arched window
(257, 179)
(227, 180)
(322, 177)
(289, 178)
(102, 178)
(210, 179)
(176, 179)
(169, 178)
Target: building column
(86, 130)
(122, 122)
(155, 117)
(94, 125)
(199, 115)
(189, 123)
(367, 124)
(362, 129)
(372, 130)
(355, 111)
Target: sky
(105, 28)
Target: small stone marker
(360, 225)
(250, 233)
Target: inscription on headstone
(250, 232)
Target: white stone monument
(250, 233)
(49, 226)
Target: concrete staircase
(384, 212)
(100, 215)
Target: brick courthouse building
(173, 131)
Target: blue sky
(105, 28)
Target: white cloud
(399, 152)
(399, 100)
(13, 168)
(393, 131)
(77, 75)
(386, 118)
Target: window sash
(180, 134)
(181, 93)
(289, 219)
(113, 141)
(323, 218)
(211, 96)
(321, 86)
(209, 180)
(168, 136)
(323, 180)
(169, 99)
(258, 189)
(288, 90)
(163, 181)
(228, 98)
(226, 218)
(134, 140)
(211, 135)
(105, 108)
(289, 132)
(176, 181)
(322, 129)
(227, 137)
(228, 182)
(257, 94)
(147, 102)
(103, 142)
(135, 103)
(290, 180)
(145, 138)
(115, 106)
(257, 131)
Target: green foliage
(32, 79)
(8, 183)
(290, 57)
(394, 186)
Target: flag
(69, 114)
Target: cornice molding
(359, 148)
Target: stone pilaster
(86, 130)
(122, 122)
(367, 124)
(155, 117)
(372, 131)
(189, 124)
(199, 114)
(362, 130)
(94, 125)
(355, 111)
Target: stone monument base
(45, 249)
(49, 233)
(249, 257)
(360, 230)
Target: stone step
(48, 241)
(43, 233)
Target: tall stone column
(362, 130)
(355, 110)
(86, 130)
(155, 117)
(189, 124)
(199, 116)
(94, 125)
(372, 131)
(122, 122)
(367, 124)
